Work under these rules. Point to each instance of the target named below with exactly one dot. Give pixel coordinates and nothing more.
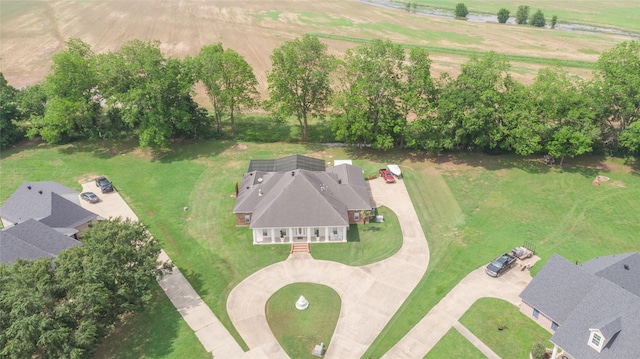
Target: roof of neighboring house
(49, 202)
(32, 240)
(293, 162)
(302, 198)
(600, 294)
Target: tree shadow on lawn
(147, 334)
(177, 151)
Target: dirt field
(32, 31)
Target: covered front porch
(299, 235)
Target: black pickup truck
(501, 264)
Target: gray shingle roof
(621, 269)
(547, 291)
(599, 294)
(289, 163)
(52, 203)
(302, 198)
(604, 303)
(32, 240)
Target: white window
(247, 217)
(554, 326)
(265, 232)
(335, 231)
(356, 216)
(596, 340)
(536, 313)
(316, 232)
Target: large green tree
(470, 108)
(617, 89)
(62, 309)
(10, 114)
(564, 112)
(299, 82)
(150, 93)
(368, 107)
(73, 102)
(229, 81)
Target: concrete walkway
(370, 294)
(448, 311)
(212, 334)
(475, 341)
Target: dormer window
(596, 340)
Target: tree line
(63, 308)
(379, 94)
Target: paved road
(370, 294)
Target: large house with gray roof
(592, 309)
(297, 199)
(39, 220)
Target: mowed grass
(366, 243)
(454, 345)
(158, 332)
(473, 206)
(518, 335)
(298, 331)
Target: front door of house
(301, 232)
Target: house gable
(31, 240)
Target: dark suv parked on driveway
(104, 184)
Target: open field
(32, 31)
(621, 15)
(471, 207)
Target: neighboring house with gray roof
(51, 203)
(31, 240)
(593, 309)
(301, 205)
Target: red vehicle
(387, 175)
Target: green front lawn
(299, 331)
(366, 244)
(454, 345)
(518, 335)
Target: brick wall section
(240, 220)
(542, 319)
(351, 217)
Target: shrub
(461, 10)
(538, 20)
(538, 351)
(503, 15)
(522, 14)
